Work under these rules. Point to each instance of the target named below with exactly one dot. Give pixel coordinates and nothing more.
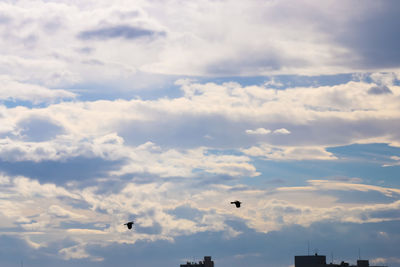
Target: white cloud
(32, 244)
(146, 158)
(273, 83)
(383, 78)
(396, 162)
(235, 55)
(182, 163)
(58, 211)
(268, 152)
(27, 187)
(260, 131)
(77, 252)
(281, 131)
(317, 185)
(11, 90)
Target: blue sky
(163, 112)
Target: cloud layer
(113, 44)
(173, 189)
(163, 112)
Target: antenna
(359, 254)
(308, 247)
(332, 257)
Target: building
(320, 261)
(206, 263)
(310, 261)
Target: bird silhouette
(237, 203)
(129, 224)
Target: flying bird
(237, 203)
(129, 224)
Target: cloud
(115, 130)
(337, 185)
(38, 129)
(372, 46)
(260, 131)
(63, 213)
(47, 71)
(27, 187)
(195, 48)
(77, 252)
(11, 90)
(185, 163)
(146, 158)
(378, 90)
(396, 162)
(273, 83)
(267, 152)
(248, 246)
(383, 78)
(281, 131)
(4, 19)
(52, 63)
(168, 210)
(119, 31)
(321, 52)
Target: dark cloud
(53, 25)
(386, 214)
(119, 31)
(85, 50)
(187, 131)
(379, 90)
(254, 62)
(186, 212)
(79, 169)
(155, 229)
(369, 33)
(30, 41)
(374, 35)
(4, 19)
(93, 62)
(128, 14)
(246, 65)
(37, 129)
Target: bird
(237, 203)
(129, 224)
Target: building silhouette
(206, 263)
(299, 261)
(320, 261)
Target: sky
(165, 111)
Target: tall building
(206, 263)
(320, 261)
